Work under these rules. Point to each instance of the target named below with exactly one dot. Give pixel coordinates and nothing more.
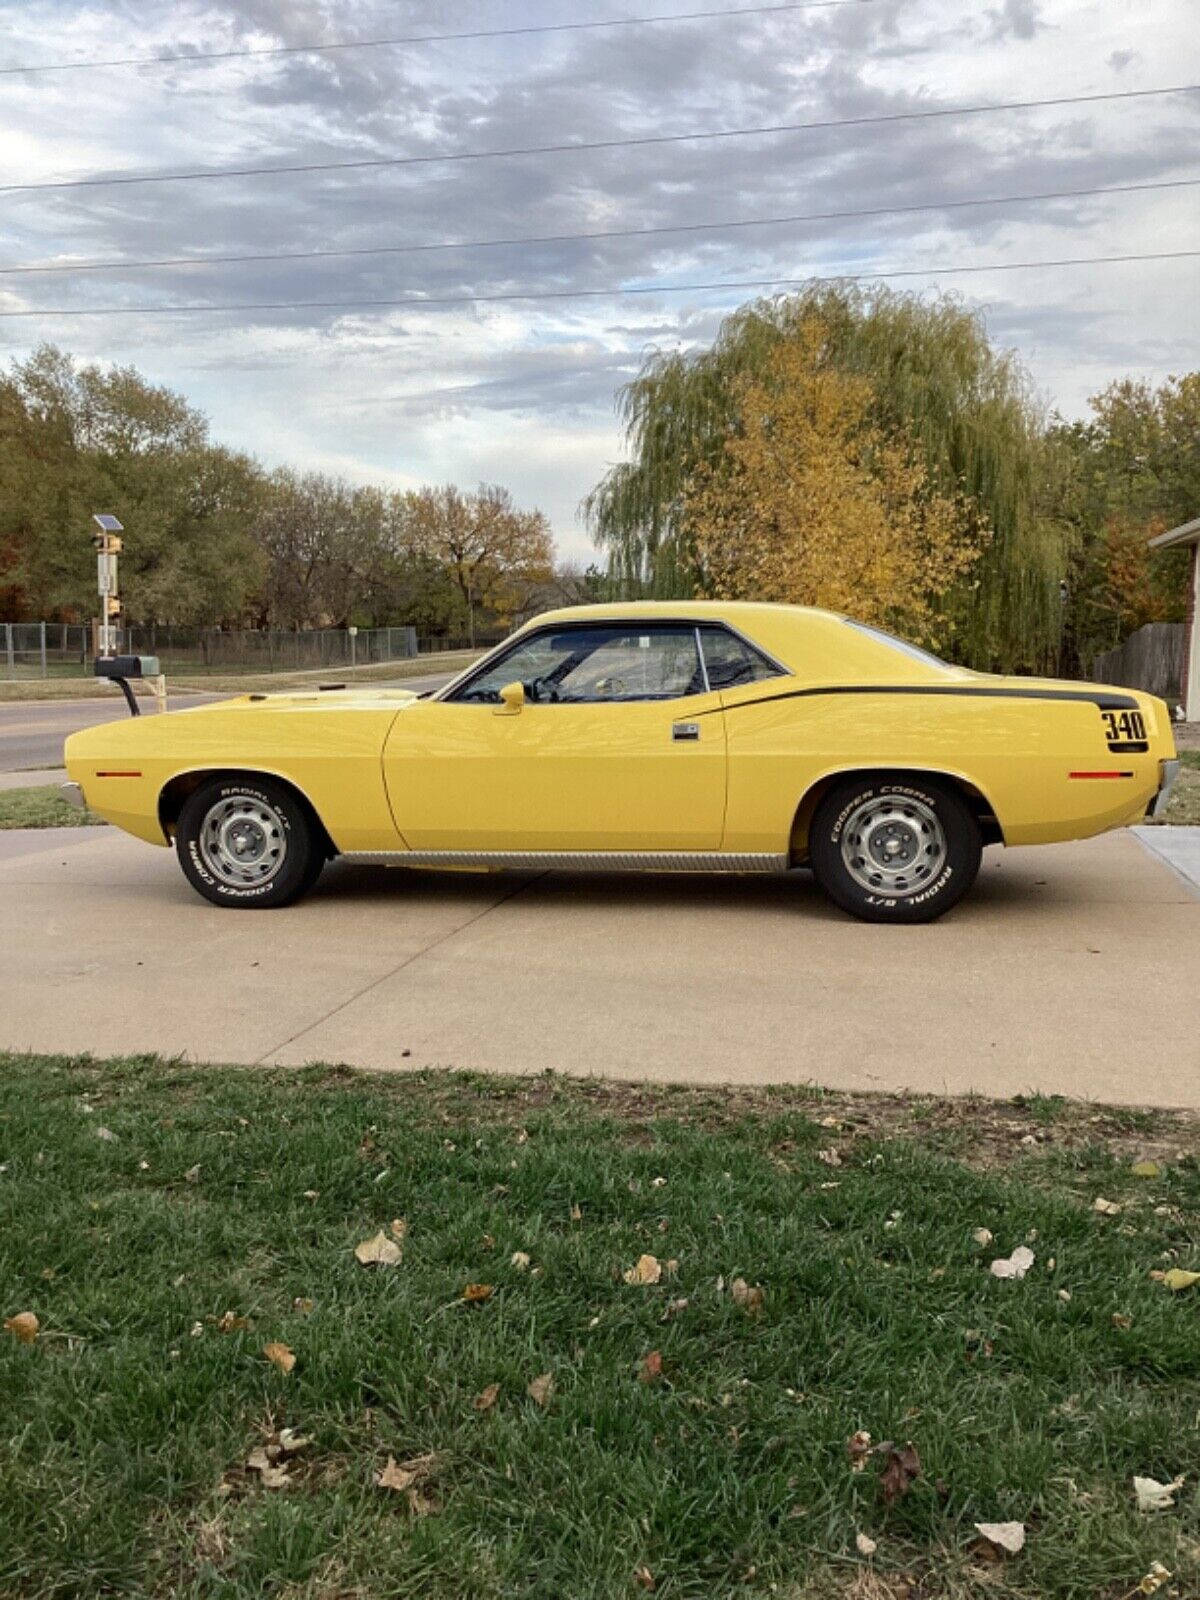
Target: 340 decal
(1124, 727)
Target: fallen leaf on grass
(900, 1468)
(651, 1368)
(23, 1327)
(1154, 1579)
(982, 1236)
(1015, 1265)
(1008, 1536)
(192, 1175)
(520, 1260)
(644, 1579)
(231, 1322)
(746, 1295)
(107, 1135)
(541, 1389)
(290, 1441)
(1146, 1169)
(475, 1292)
(1155, 1496)
(486, 1398)
(402, 1477)
(303, 1305)
(272, 1476)
(1122, 1320)
(1177, 1278)
(1106, 1208)
(648, 1270)
(865, 1545)
(378, 1251)
(279, 1356)
(858, 1448)
(673, 1309)
(830, 1157)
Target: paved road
(32, 731)
(1070, 969)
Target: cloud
(524, 391)
(1018, 19)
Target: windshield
(902, 646)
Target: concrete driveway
(1072, 969)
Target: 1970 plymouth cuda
(694, 736)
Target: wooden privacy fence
(1150, 659)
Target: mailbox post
(107, 540)
(109, 664)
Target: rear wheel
(248, 842)
(894, 849)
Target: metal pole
(42, 643)
(8, 650)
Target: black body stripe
(1102, 698)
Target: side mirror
(512, 700)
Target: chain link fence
(64, 650)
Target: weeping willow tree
(967, 408)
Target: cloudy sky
(522, 392)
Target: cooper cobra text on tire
(894, 849)
(248, 843)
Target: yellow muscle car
(693, 736)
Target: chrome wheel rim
(894, 845)
(243, 841)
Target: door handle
(683, 732)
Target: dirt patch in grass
(982, 1133)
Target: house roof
(1185, 533)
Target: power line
(599, 144)
(606, 233)
(418, 304)
(199, 57)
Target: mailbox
(119, 669)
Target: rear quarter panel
(334, 757)
(1018, 753)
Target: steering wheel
(538, 689)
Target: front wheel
(247, 842)
(894, 849)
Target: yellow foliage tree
(496, 554)
(811, 503)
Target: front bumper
(73, 795)
(1168, 772)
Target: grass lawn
(1184, 804)
(42, 807)
(165, 1223)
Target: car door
(619, 746)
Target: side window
(581, 666)
(731, 661)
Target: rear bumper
(1168, 772)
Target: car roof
(819, 645)
(669, 610)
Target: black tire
(934, 835)
(284, 850)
